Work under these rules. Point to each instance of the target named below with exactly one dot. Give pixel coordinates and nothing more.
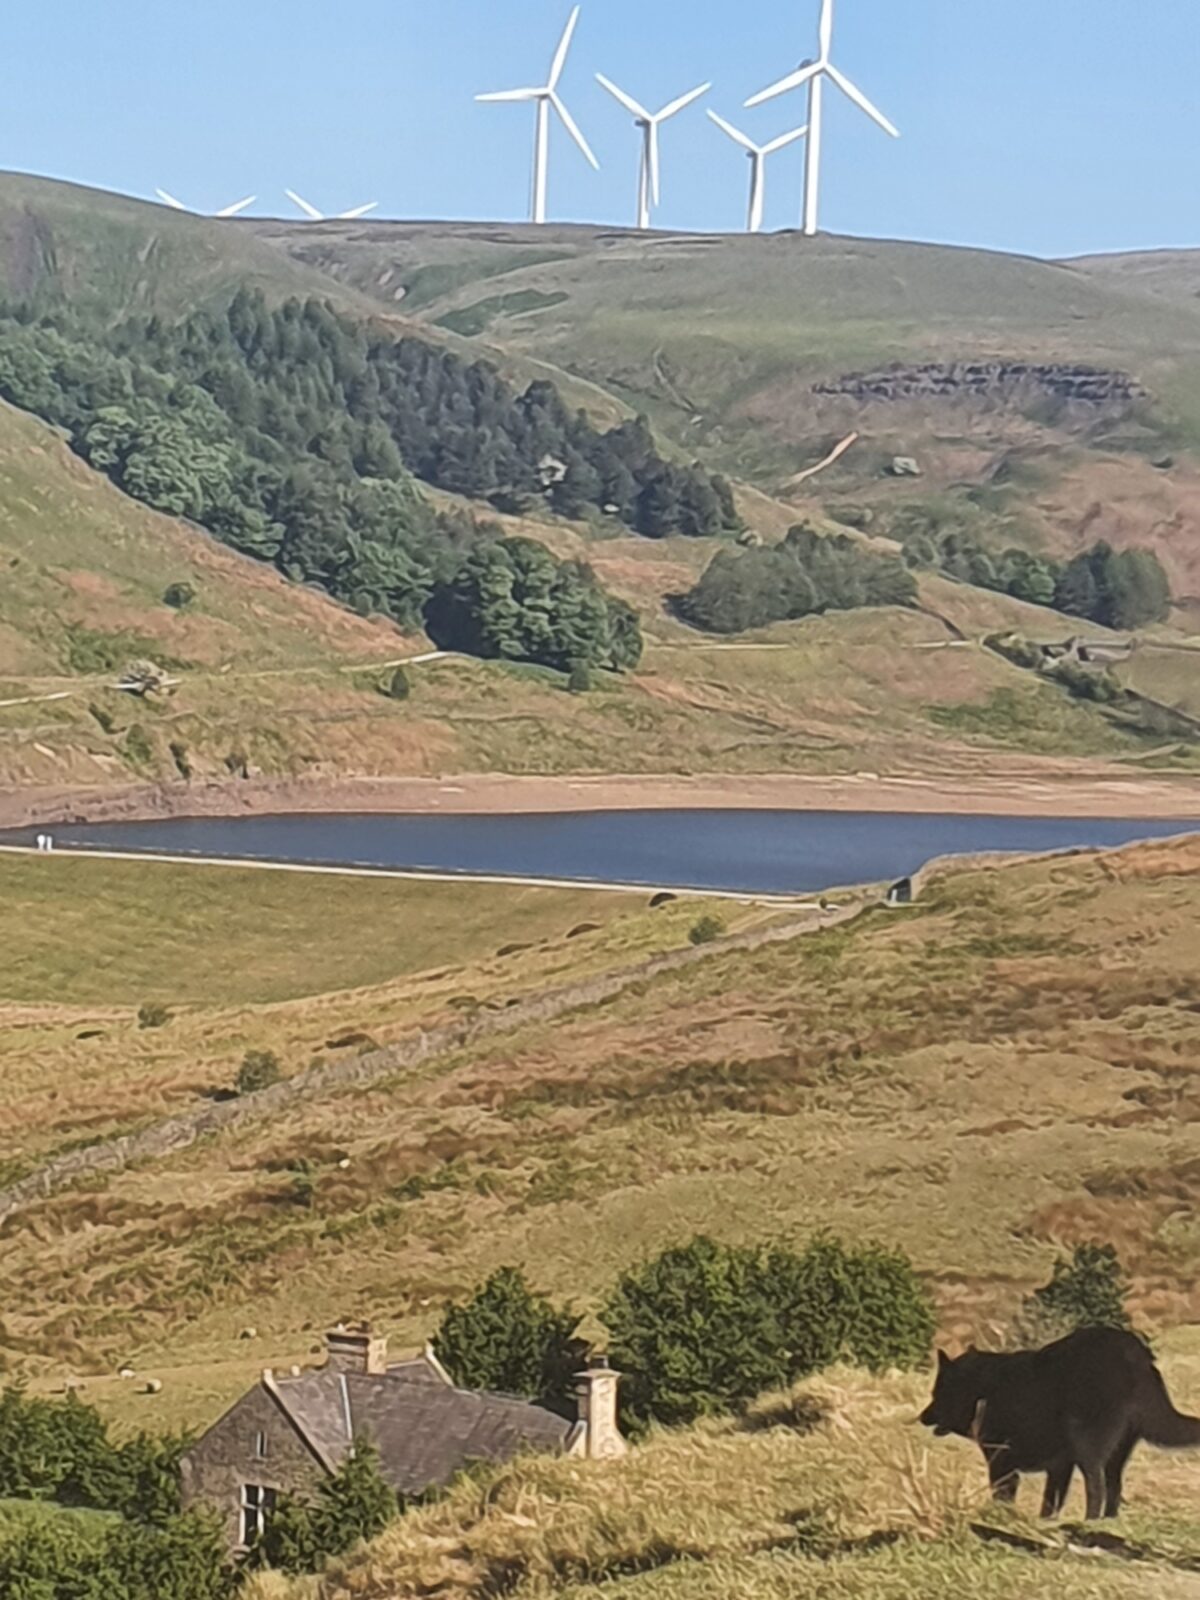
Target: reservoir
(778, 852)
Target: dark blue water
(770, 851)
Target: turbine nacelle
(756, 155)
(649, 122)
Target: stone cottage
(292, 1430)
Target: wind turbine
(226, 211)
(758, 154)
(814, 73)
(544, 98)
(649, 122)
(314, 215)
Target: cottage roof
(425, 1429)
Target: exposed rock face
(1003, 381)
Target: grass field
(1006, 1069)
(826, 1493)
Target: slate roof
(425, 1429)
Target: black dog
(1084, 1402)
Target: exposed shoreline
(1168, 796)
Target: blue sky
(1047, 126)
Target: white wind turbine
(758, 154)
(314, 215)
(226, 211)
(814, 73)
(649, 122)
(544, 98)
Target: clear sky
(1047, 126)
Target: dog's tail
(1161, 1423)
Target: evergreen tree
(510, 1340)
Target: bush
(259, 1070)
(153, 1015)
(59, 1559)
(579, 679)
(398, 686)
(705, 1327)
(137, 745)
(1089, 1290)
(178, 595)
(705, 930)
(509, 1339)
(353, 1504)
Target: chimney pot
(352, 1347)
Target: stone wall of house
(222, 1460)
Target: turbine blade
(655, 165)
(825, 31)
(626, 100)
(560, 55)
(358, 211)
(794, 80)
(238, 205)
(784, 139)
(684, 100)
(512, 94)
(170, 200)
(853, 93)
(734, 133)
(572, 128)
(309, 211)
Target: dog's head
(956, 1401)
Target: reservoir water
(778, 852)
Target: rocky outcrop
(1006, 382)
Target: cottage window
(258, 1503)
(260, 1446)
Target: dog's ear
(971, 1350)
(943, 1360)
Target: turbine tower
(758, 154)
(226, 211)
(544, 98)
(649, 122)
(314, 215)
(814, 73)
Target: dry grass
(855, 1501)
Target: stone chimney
(352, 1347)
(596, 1406)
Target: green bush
(398, 686)
(509, 1339)
(179, 595)
(353, 1504)
(138, 746)
(153, 1015)
(705, 929)
(1089, 1290)
(59, 1559)
(259, 1070)
(705, 1327)
(579, 679)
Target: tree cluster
(353, 1503)
(294, 435)
(701, 1328)
(808, 572)
(1087, 1290)
(1115, 588)
(61, 1559)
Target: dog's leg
(1094, 1484)
(1058, 1482)
(1114, 1475)
(1003, 1476)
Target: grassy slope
(827, 1493)
(1009, 1066)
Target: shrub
(579, 679)
(178, 595)
(705, 929)
(705, 1327)
(259, 1070)
(1089, 1290)
(353, 1504)
(181, 758)
(153, 1015)
(510, 1339)
(137, 745)
(398, 686)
